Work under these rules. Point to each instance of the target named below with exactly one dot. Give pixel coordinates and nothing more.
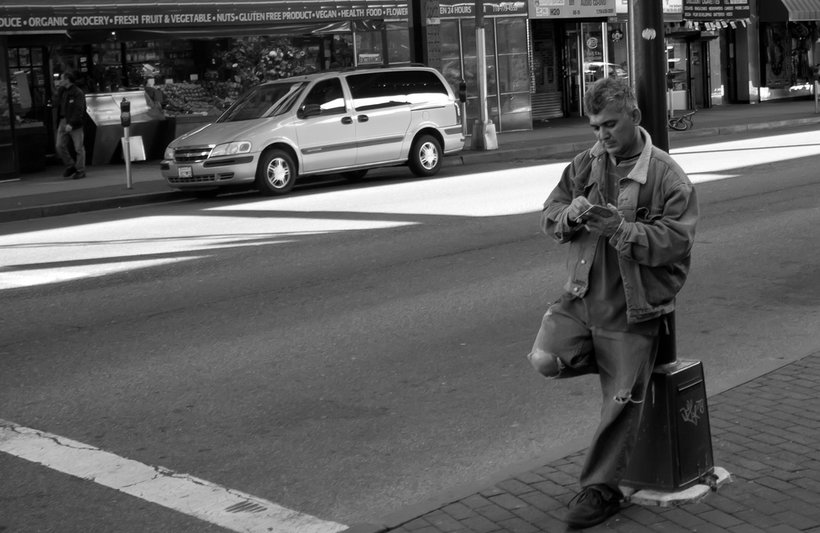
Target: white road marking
(187, 494)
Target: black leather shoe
(78, 175)
(70, 171)
(590, 507)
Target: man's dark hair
(611, 91)
(69, 76)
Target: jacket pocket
(662, 284)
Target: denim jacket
(654, 242)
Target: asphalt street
(268, 346)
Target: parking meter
(125, 113)
(125, 119)
(462, 91)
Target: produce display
(188, 99)
(209, 98)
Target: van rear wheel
(425, 156)
(276, 173)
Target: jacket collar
(641, 168)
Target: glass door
(586, 60)
(573, 78)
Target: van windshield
(264, 101)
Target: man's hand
(605, 226)
(579, 205)
(68, 128)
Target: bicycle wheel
(678, 123)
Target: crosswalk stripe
(184, 493)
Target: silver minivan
(343, 122)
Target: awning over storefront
(42, 16)
(802, 10)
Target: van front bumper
(210, 172)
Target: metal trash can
(674, 448)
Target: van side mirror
(309, 110)
(462, 91)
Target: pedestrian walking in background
(70, 139)
(628, 214)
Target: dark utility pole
(647, 56)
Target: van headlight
(169, 153)
(241, 147)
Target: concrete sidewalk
(765, 433)
(46, 193)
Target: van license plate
(185, 172)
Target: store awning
(50, 16)
(802, 10)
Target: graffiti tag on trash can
(693, 411)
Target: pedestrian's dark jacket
(660, 211)
(71, 106)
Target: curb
(41, 211)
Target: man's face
(616, 130)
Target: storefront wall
(789, 48)
(571, 45)
(191, 60)
(450, 33)
(727, 31)
(8, 153)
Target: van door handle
(363, 118)
(347, 120)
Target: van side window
(328, 95)
(377, 90)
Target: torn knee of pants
(547, 364)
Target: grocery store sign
(715, 9)
(31, 18)
(562, 9)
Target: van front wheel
(276, 173)
(425, 156)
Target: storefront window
(451, 56)
(677, 75)
(788, 50)
(28, 85)
(513, 74)
(369, 48)
(341, 55)
(30, 91)
(8, 164)
(470, 68)
(398, 45)
(508, 73)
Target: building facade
(183, 61)
(179, 60)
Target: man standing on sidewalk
(628, 258)
(70, 134)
